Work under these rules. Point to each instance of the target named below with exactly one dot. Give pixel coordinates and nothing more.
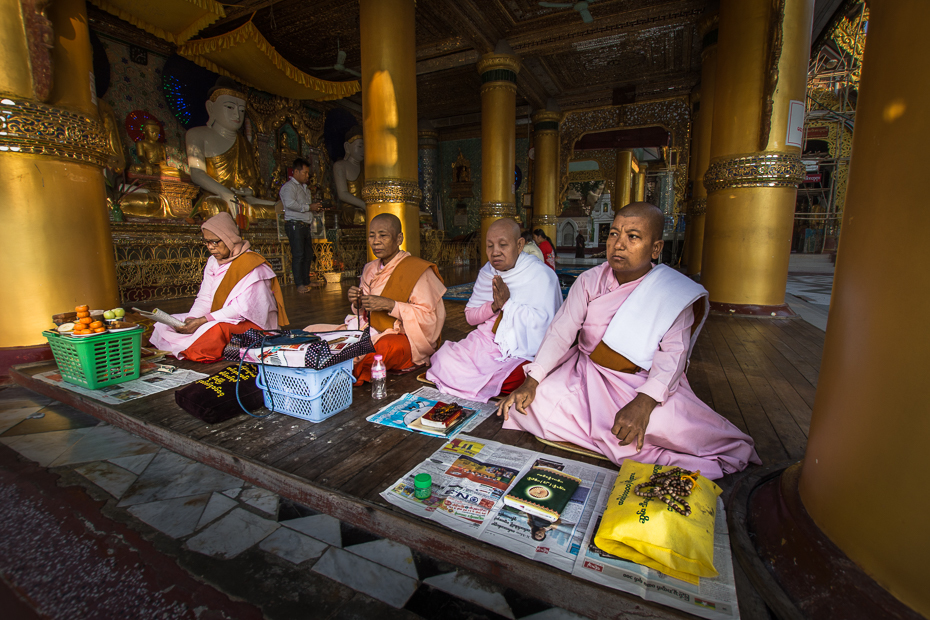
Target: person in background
(530, 247)
(298, 205)
(579, 246)
(545, 246)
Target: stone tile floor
(244, 541)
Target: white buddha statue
(349, 175)
(221, 162)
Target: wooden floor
(759, 374)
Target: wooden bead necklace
(671, 487)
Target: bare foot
(303, 289)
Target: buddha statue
(221, 162)
(152, 155)
(349, 176)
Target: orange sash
(238, 269)
(603, 355)
(399, 286)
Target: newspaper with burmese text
(470, 478)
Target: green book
(543, 492)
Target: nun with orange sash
(400, 298)
(239, 292)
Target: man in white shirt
(298, 203)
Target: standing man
(298, 203)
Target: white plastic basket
(306, 393)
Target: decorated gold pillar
(865, 473)
(546, 177)
(755, 166)
(703, 129)
(55, 238)
(639, 184)
(623, 186)
(389, 110)
(498, 139)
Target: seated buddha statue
(221, 162)
(151, 153)
(349, 175)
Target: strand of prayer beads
(672, 487)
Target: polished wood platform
(759, 374)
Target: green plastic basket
(97, 361)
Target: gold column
(389, 109)
(639, 184)
(753, 174)
(498, 140)
(546, 173)
(703, 128)
(623, 186)
(869, 429)
(55, 239)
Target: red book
(442, 416)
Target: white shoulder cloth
(535, 297)
(647, 314)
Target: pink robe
(473, 362)
(420, 318)
(577, 400)
(250, 300)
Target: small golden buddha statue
(151, 153)
(349, 175)
(284, 158)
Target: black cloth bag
(213, 399)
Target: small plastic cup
(422, 486)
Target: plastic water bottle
(378, 378)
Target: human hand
(191, 324)
(630, 422)
(501, 293)
(522, 397)
(354, 294)
(376, 303)
(316, 207)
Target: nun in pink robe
(251, 304)
(576, 400)
(483, 365)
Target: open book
(161, 317)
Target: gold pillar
(865, 473)
(55, 239)
(498, 140)
(703, 128)
(639, 184)
(546, 173)
(623, 186)
(389, 110)
(753, 175)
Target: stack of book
(442, 419)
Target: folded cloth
(646, 316)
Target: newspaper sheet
(471, 476)
(409, 407)
(152, 382)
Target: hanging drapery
(245, 55)
(172, 20)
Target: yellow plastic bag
(647, 531)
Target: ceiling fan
(580, 7)
(340, 63)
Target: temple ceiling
(641, 49)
